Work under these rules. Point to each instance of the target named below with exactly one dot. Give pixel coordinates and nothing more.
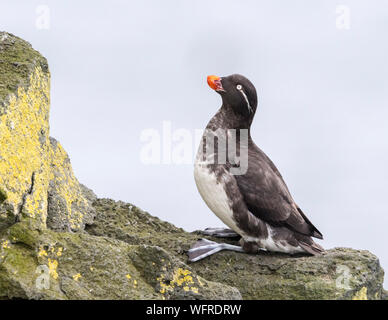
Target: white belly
(213, 193)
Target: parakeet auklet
(242, 186)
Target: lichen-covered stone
(69, 203)
(18, 61)
(36, 264)
(174, 279)
(24, 131)
(339, 274)
(36, 178)
(128, 223)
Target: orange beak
(214, 82)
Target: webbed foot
(204, 248)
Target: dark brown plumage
(262, 209)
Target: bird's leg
(204, 248)
(220, 233)
(249, 247)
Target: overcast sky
(121, 67)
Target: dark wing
(268, 198)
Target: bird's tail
(312, 247)
(314, 231)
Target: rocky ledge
(58, 241)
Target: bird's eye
(239, 87)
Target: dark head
(237, 92)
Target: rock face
(58, 241)
(340, 274)
(36, 179)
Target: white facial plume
(240, 88)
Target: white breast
(213, 193)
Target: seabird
(254, 203)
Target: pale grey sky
(119, 67)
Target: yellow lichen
(181, 278)
(5, 244)
(67, 186)
(24, 130)
(128, 276)
(77, 276)
(59, 252)
(194, 289)
(42, 252)
(53, 265)
(29, 162)
(362, 294)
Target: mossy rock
(36, 178)
(36, 264)
(341, 273)
(17, 61)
